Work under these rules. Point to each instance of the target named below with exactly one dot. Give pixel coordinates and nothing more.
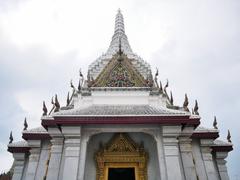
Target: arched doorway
(121, 158)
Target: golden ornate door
(121, 152)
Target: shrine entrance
(121, 159)
(121, 174)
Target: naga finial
(185, 104)
(171, 98)
(156, 78)
(44, 109)
(215, 123)
(165, 87)
(25, 124)
(10, 138)
(161, 87)
(196, 108)
(80, 83)
(229, 137)
(57, 105)
(68, 99)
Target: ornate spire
(196, 108)
(119, 32)
(44, 109)
(119, 23)
(229, 137)
(25, 124)
(52, 107)
(10, 138)
(185, 104)
(215, 123)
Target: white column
(207, 159)
(187, 158)
(33, 158)
(221, 163)
(71, 151)
(56, 153)
(55, 158)
(19, 159)
(161, 157)
(82, 158)
(171, 150)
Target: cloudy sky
(195, 44)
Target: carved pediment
(121, 151)
(121, 143)
(120, 72)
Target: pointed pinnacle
(25, 124)
(80, 73)
(215, 123)
(165, 88)
(10, 138)
(68, 99)
(71, 84)
(229, 137)
(185, 104)
(171, 98)
(57, 105)
(196, 108)
(45, 108)
(161, 88)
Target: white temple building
(120, 123)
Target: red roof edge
(36, 136)
(205, 135)
(18, 149)
(227, 148)
(168, 120)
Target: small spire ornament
(156, 78)
(229, 137)
(185, 104)
(71, 84)
(171, 98)
(215, 123)
(196, 108)
(68, 99)
(57, 105)
(52, 107)
(25, 124)
(10, 138)
(44, 109)
(165, 87)
(161, 88)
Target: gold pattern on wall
(120, 72)
(121, 152)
